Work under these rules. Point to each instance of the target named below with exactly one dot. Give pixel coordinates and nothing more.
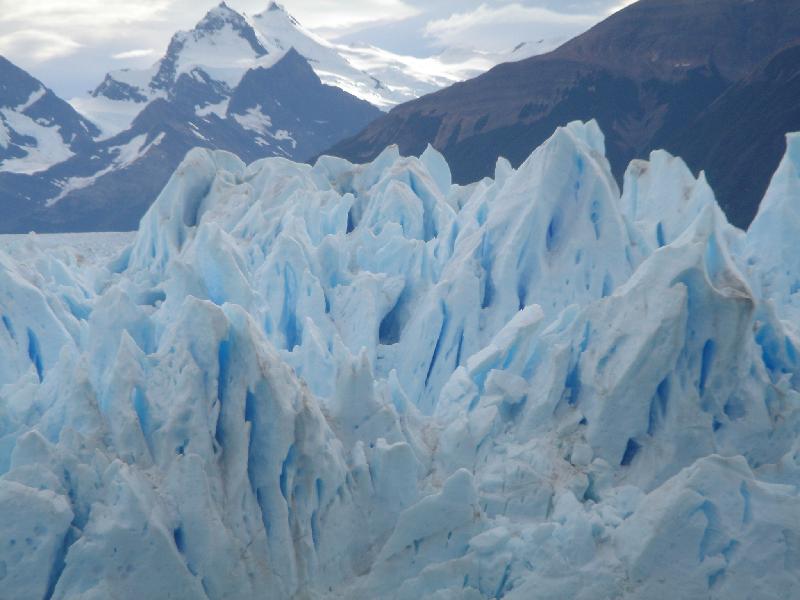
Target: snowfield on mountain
(363, 381)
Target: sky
(71, 44)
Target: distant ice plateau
(362, 381)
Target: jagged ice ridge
(348, 381)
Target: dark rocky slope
(645, 73)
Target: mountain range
(654, 75)
(256, 86)
(714, 81)
(341, 381)
(226, 44)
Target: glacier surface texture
(365, 382)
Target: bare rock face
(740, 138)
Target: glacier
(363, 381)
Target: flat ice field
(88, 247)
(364, 382)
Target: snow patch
(124, 156)
(48, 149)
(254, 120)
(220, 109)
(35, 96)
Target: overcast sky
(71, 44)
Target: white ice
(347, 381)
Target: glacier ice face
(347, 381)
(770, 237)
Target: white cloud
(335, 14)
(71, 44)
(138, 53)
(492, 25)
(36, 45)
(33, 32)
(38, 30)
(619, 6)
(98, 20)
(80, 14)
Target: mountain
(644, 73)
(283, 110)
(739, 139)
(409, 77)
(223, 46)
(199, 94)
(334, 64)
(360, 381)
(257, 87)
(226, 44)
(666, 39)
(37, 128)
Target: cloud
(73, 43)
(81, 14)
(488, 26)
(95, 20)
(39, 30)
(335, 14)
(138, 53)
(36, 45)
(69, 44)
(619, 6)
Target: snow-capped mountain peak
(219, 19)
(274, 7)
(378, 76)
(218, 51)
(225, 44)
(280, 29)
(278, 107)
